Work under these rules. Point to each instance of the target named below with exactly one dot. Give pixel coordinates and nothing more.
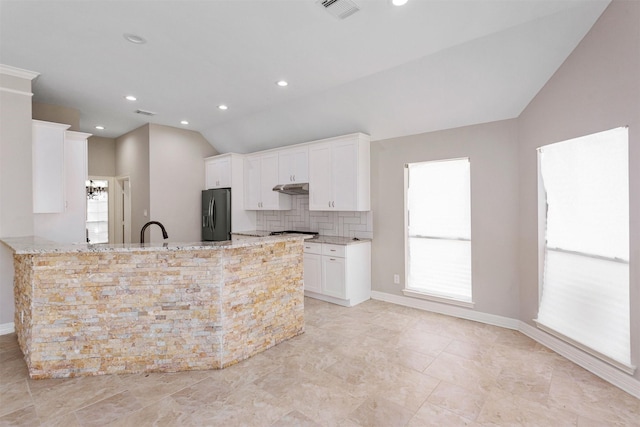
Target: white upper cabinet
(59, 175)
(261, 175)
(227, 171)
(48, 166)
(218, 172)
(339, 174)
(293, 164)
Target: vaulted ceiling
(385, 70)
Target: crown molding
(18, 72)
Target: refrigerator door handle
(211, 213)
(214, 214)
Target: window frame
(415, 293)
(542, 207)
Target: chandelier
(94, 190)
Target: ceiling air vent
(339, 8)
(145, 112)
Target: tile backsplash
(327, 223)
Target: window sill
(436, 298)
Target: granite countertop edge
(333, 240)
(38, 245)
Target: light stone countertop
(333, 240)
(38, 245)
(337, 240)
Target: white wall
(176, 177)
(597, 88)
(493, 151)
(16, 203)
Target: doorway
(100, 209)
(122, 220)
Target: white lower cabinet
(313, 272)
(340, 274)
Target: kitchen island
(103, 309)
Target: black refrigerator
(216, 214)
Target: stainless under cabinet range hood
(293, 189)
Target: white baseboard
(592, 364)
(450, 310)
(7, 328)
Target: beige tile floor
(376, 364)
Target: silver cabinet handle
(294, 178)
(333, 204)
(332, 259)
(329, 203)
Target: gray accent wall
(176, 176)
(132, 160)
(597, 88)
(101, 156)
(493, 151)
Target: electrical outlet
(396, 279)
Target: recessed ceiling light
(134, 38)
(100, 127)
(184, 122)
(222, 107)
(130, 98)
(399, 2)
(282, 83)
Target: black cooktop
(278, 233)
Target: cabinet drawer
(312, 248)
(333, 250)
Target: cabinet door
(268, 180)
(69, 226)
(252, 183)
(223, 172)
(73, 223)
(333, 277)
(293, 165)
(299, 164)
(48, 167)
(313, 272)
(285, 162)
(320, 183)
(218, 173)
(211, 174)
(345, 175)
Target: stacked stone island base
(93, 310)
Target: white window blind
(439, 229)
(585, 289)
